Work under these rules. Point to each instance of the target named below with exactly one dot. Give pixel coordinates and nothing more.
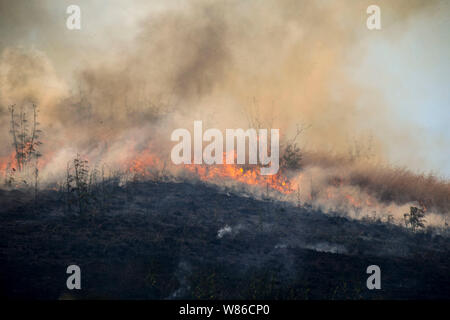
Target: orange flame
(8, 163)
(247, 174)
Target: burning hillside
(286, 107)
(344, 186)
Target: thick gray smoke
(229, 63)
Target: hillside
(171, 240)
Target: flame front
(331, 194)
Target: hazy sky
(412, 73)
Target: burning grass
(355, 188)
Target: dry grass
(388, 184)
(401, 185)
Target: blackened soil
(189, 240)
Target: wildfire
(148, 164)
(143, 163)
(8, 163)
(354, 202)
(9, 167)
(246, 175)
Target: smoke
(367, 190)
(229, 63)
(214, 59)
(227, 230)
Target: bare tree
(415, 218)
(25, 135)
(77, 184)
(291, 153)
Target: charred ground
(166, 240)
